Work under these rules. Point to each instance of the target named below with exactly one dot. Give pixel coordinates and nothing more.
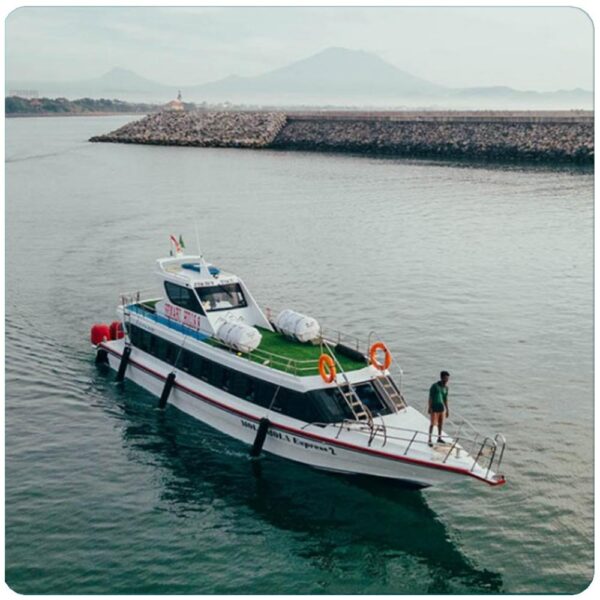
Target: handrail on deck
(295, 365)
(412, 436)
(335, 336)
(134, 297)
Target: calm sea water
(486, 272)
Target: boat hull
(321, 447)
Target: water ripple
(486, 272)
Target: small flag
(181, 241)
(176, 244)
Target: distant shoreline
(18, 106)
(73, 114)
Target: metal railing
(334, 336)
(487, 453)
(137, 296)
(294, 366)
(329, 334)
(456, 427)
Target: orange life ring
(327, 368)
(387, 361)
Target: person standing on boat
(438, 405)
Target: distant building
(175, 105)
(28, 94)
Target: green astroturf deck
(291, 356)
(279, 352)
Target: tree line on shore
(18, 105)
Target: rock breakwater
(532, 137)
(209, 129)
(484, 138)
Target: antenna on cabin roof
(203, 263)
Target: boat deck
(275, 350)
(277, 343)
(284, 354)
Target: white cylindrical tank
(239, 336)
(297, 326)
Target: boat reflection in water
(381, 537)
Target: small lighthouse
(175, 105)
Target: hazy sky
(525, 48)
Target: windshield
(371, 399)
(182, 296)
(221, 297)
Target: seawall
(200, 128)
(566, 137)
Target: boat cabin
(200, 300)
(202, 296)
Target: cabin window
(248, 392)
(172, 353)
(205, 370)
(160, 346)
(196, 364)
(145, 340)
(243, 386)
(182, 296)
(186, 361)
(296, 405)
(331, 405)
(165, 350)
(219, 376)
(226, 380)
(134, 335)
(288, 402)
(140, 338)
(264, 393)
(216, 372)
(153, 344)
(371, 399)
(221, 297)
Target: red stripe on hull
(303, 433)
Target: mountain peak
(339, 55)
(120, 71)
(121, 79)
(119, 74)
(341, 51)
(340, 70)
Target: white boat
(206, 347)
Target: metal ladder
(358, 409)
(390, 392)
